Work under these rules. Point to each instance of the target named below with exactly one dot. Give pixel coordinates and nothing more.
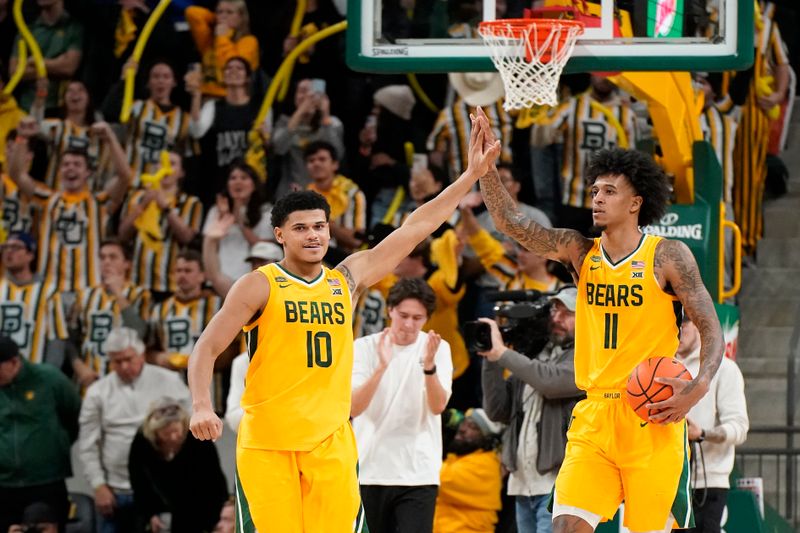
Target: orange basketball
(642, 388)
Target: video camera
(524, 320)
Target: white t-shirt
(233, 405)
(399, 438)
(234, 248)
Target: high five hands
(484, 148)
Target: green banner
(687, 223)
(691, 224)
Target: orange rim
(519, 26)
(544, 26)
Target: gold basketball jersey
(297, 388)
(623, 316)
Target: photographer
(536, 403)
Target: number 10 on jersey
(318, 349)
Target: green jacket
(38, 424)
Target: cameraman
(536, 403)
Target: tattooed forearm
(680, 271)
(351, 282)
(497, 199)
(550, 243)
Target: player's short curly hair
(647, 178)
(298, 201)
(413, 289)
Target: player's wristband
(430, 372)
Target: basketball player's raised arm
(246, 299)
(565, 245)
(676, 267)
(370, 266)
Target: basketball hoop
(530, 55)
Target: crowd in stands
(120, 241)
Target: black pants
(399, 509)
(13, 502)
(708, 505)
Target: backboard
(441, 35)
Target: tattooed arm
(370, 266)
(677, 271)
(565, 245)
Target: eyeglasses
(13, 247)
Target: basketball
(642, 388)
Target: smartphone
(318, 86)
(477, 336)
(420, 162)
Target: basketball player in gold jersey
(631, 287)
(296, 454)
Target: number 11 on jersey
(612, 323)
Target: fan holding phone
(311, 121)
(535, 402)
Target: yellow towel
(125, 32)
(443, 255)
(337, 195)
(764, 88)
(256, 155)
(305, 32)
(149, 222)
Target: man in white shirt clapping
(401, 384)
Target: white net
(530, 55)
